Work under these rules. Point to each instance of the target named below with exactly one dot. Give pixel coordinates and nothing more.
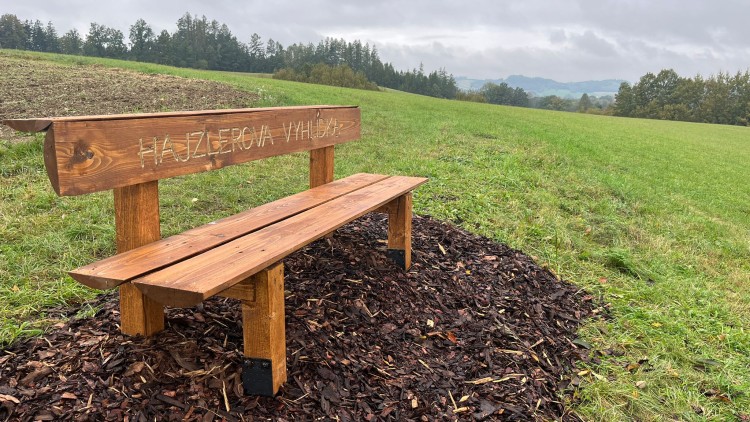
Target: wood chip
(6, 397)
(480, 381)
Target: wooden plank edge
(40, 124)
(28, 125)
(99, 283)
(87, 274)
(50, 160)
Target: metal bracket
(257, 377)
(398, 256)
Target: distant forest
(723, 99)
(202, 44)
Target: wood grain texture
(244, 290)
(113, 271)
(136, 215)
(399, 226)
(263, 322)
(191, 281)
(100, 154)
(321, 166)
(139, 314)
(137, 224)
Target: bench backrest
(94, 153)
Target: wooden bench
(238, 256)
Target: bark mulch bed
(475, 330)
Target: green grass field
(652, 217)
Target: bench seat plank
(113, 271)
(189, 282)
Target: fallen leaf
(69, 396)
(583, 343)
(442, 249)
(718, 395)
(705, 364)
(724, 398)
(633, 366)
(599, 377)
(135, 368)
(451, 337)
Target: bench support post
(136, 224)
(263, 332)
(399, 230)
(321, 169)
(321, 166)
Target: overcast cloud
(564, 40)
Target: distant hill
(542, 87)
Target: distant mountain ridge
(542, 87)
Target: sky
(573, 40)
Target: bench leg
(263, 332)
(321, 166)
(139, 315)
(136, 224)
(399, 230)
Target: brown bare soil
(474, 330)
(35, 88)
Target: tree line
(202, 44)
(722, 98)
(300, 60)
(504, 94)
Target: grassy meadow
(651, 217)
